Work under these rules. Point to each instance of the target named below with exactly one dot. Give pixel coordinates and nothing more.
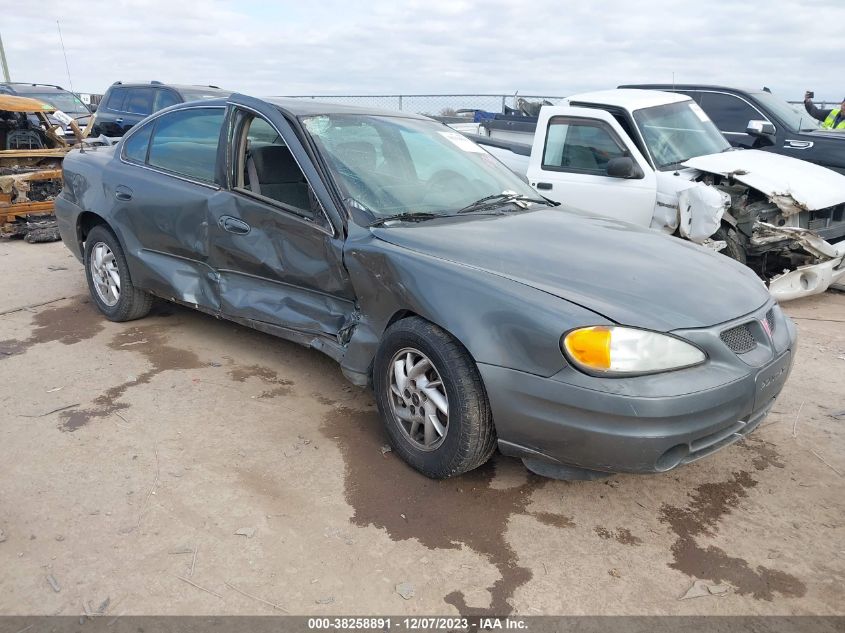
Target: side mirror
(623, 167)
(92, 107)
(760, 128)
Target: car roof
(27, 88)
(177, 87)
(307, 107)
(14, 103)
(630, 99)
(691, 87)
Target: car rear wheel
(432, 400)
(108, 278)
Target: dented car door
(277, 255)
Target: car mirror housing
(760, 128)
(623, 167)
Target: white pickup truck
(655, 159)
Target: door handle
(123, 193)
(118, 120)
(544, 185)
(233, 225)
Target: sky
(543, 47)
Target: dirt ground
(132, 455)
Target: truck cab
(656, 159)
(758, 119)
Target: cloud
(432, 46)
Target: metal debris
(54, 583)
(385, 449)
(326, 600)
(248, 532)
(406, 590)
(701, 588)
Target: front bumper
(809, 280)
(605, 427)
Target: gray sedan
(481, 315)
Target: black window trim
(763, 117)
(590, 122)
(288, 209)
(153, 120)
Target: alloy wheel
(418, 399)
(105, 274)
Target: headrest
(275, 164)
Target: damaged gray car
(481, 316)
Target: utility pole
(3, 62)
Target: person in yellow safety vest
(831, 119)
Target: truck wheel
(735, 248)
(108, 278)
(432, 400)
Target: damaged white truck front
(655, 159)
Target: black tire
(470, 437)
(132, 303)
(735, 248)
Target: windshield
(394, 165)
(64, 101)
(793, 116)
(676, 132)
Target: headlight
(621, 350)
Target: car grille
(739, 338)
(770, 319)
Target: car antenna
(64, 52)
(3, 62)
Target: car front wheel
(432, 400)
(108, 278)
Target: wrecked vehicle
(56, 96)
(655, 159)
(31, 154)
(480, 315)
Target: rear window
(185, 142)
(139, 101)
(116, 98)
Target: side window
(582, 146)
(164, 99)
(729, 113)
(135, 147)
(139, 101)
(266, 168)
(185, 142)
(116, 98)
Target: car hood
(794, 185)
(631, 275)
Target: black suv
(757, 119)
(55, 96)
(126, 104)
